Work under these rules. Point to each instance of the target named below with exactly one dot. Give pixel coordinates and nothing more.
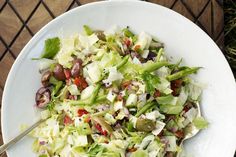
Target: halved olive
(151, 56)
(58, 72)
(100, 35)
(45, 78)
(43, 97)
(77, 67)
(145, 125)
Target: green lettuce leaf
(169, 100)
(171, 109)
(95, 149)
(139, 153)
(200, 123)
(151, 81)
(87, 30)
(82, 129)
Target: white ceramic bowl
(182, 38)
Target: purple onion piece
(42, 142)
(126, 111)
(151, 56)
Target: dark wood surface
(21, 19)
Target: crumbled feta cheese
(159, 126)
(118, 105)
(87, 92)
(111, 96)
(114, 75)
(131, 100)
(153, 115)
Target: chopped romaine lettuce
(167, 100)
(139, 153)
(93, 72)
(131, 100)
(114, 75)
(87, 92)
(144, 40)
(151, 81)
(120, 96)
(73, 89)
(171, 109)
(159, 127)
(171, 146)
(200, 123)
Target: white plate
(182, 38)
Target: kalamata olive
(100, 35)
(58, 72)
(77, 67)
(42, 97)
(45, 78)
(151, 55)
(145, 125)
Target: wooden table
(21, 19)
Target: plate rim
(24, 52)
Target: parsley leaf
(151, 81)
(88, 30)
(51, 48)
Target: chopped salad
(113, 93)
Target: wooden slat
(21, 41)
(2, 48)
(58, 6)
(166, 3)
(87, 1)
(40, 18)
(195, 6)
(179, 7)
(218, 17)
(9, 24)
(205, 19)
(1, 3)
(5, 66)
(1, 90)
(24, 8)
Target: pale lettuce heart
(114, 75)
(112, 30)
(144, 40)
(92, 72)
(159, 127)
(67, 49)
(87, 41)
(87, 92)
